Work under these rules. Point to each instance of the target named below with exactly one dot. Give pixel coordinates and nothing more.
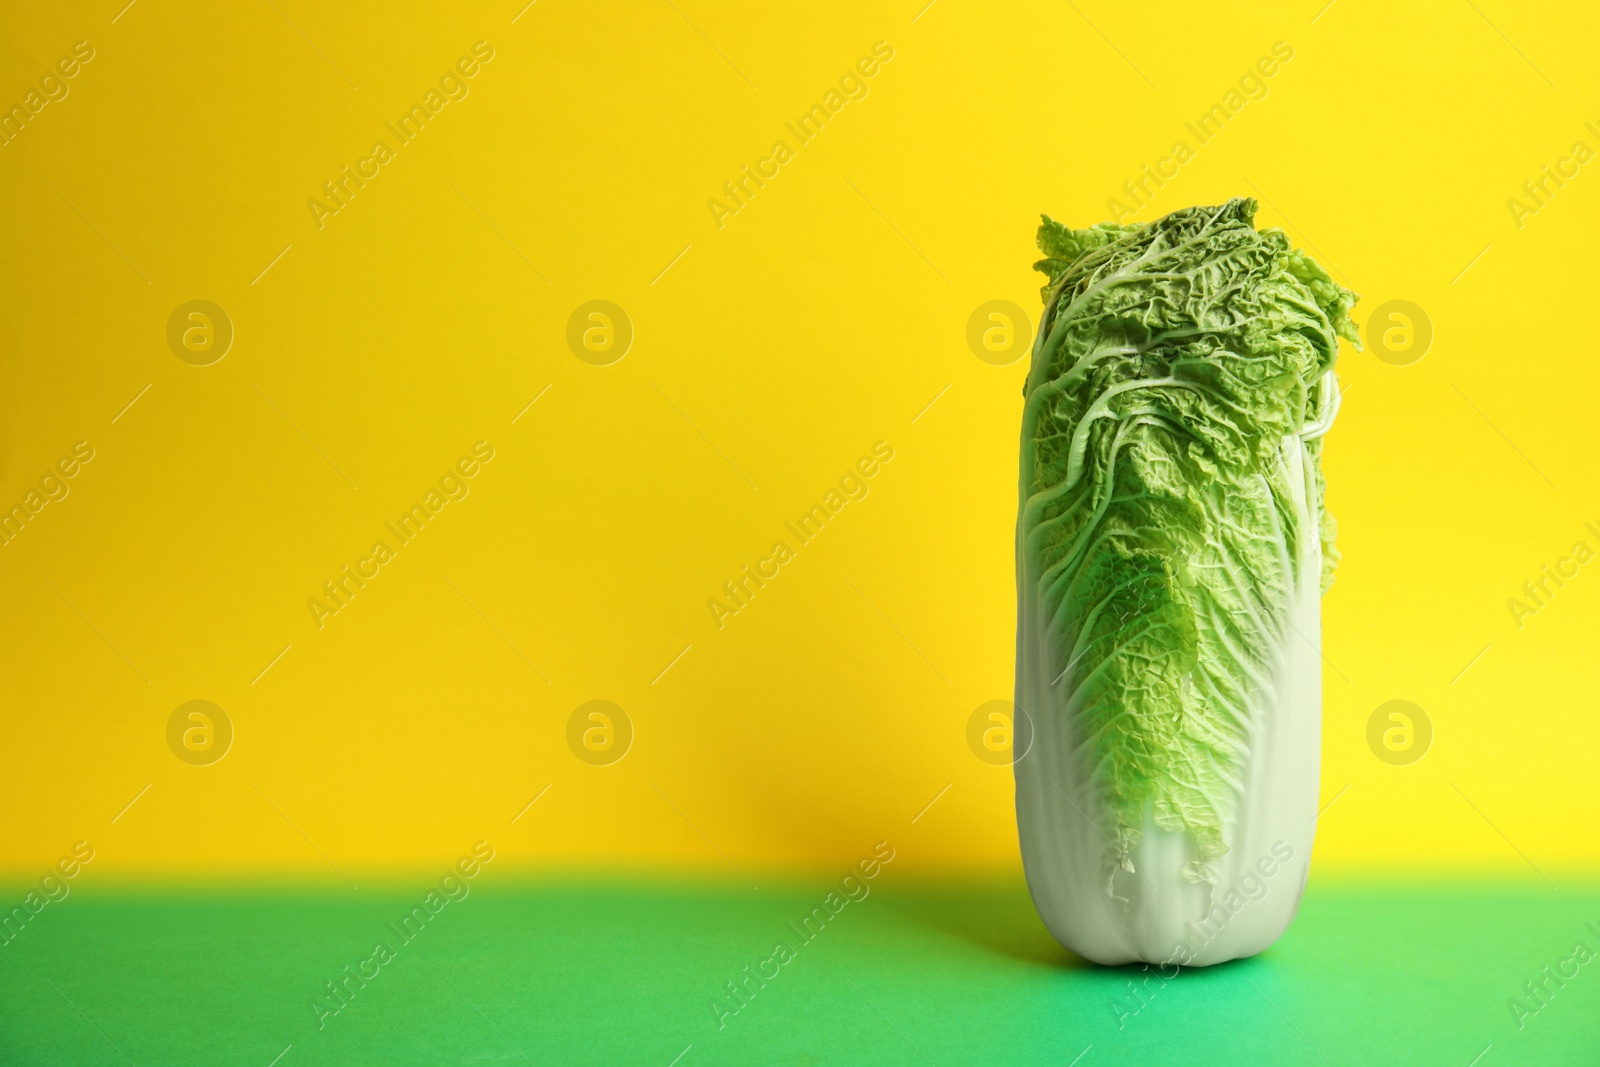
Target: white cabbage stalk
(1172, 551)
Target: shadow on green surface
(997, 918)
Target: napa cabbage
(1172, 549)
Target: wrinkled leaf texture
(1158, 531)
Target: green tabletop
(630, 973)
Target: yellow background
(821, 318)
